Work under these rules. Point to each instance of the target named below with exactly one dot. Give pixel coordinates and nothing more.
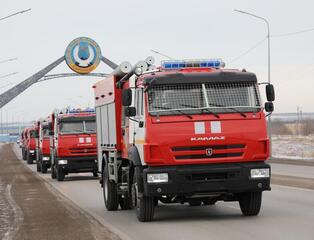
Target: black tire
(43, 168)
(60, 174)
(195, 202)
(29, 160)
(23, 154)
(110, 192)
(144, 205)
(53, 172)
(250, 203)
(38, 167)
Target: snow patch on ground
(293, 147)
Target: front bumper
(78, 164)
(32, 153)
(189, 180)
(46, 160)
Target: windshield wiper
(231, 108)
(174, 110)
(202, 109)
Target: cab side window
(139, 101)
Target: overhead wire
(271, 36)
(292, 33)
(247, 51)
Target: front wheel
(43, 168)
(60, 174)
(38, 168)
(29, 159)
(53, 172)
(23, 154)
(144, 205)
(110, 192)
(250, 203)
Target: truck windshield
(90, 126)
(77, 127)
(46, 132)
(32, 134)
(196, 98)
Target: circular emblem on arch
(83, 55)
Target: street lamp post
(8, 60)
(13, 14)
(268, 58)
(8, 75)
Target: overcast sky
(127, 30)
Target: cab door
(137, 123)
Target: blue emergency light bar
(180, 64)
(78, 110)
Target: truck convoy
(72, 142)
(189, 131)
(43, 146)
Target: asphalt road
(293, 170)
(287, 213)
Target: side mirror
(126, 97)
(270, 92)
(130, 111)
(269, 107)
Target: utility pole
(268, 63)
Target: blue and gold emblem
(83, 55)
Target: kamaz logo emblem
(208, 138)
(209, 151)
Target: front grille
(212, 176)
(217, 155)
(83, 150)
(215, 147)
(201, 152)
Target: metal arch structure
(62, 75)
(22, 86)
(40, 76)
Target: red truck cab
(73, 142)
(189, 131)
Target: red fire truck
(189, 131)
(23, 143)
(43, 146)
(30, 135)
(73, 146)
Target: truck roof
(196, 75)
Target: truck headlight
(46, 158)
(62, 162)
(31, 151)
(157, 177)
(260, 173)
